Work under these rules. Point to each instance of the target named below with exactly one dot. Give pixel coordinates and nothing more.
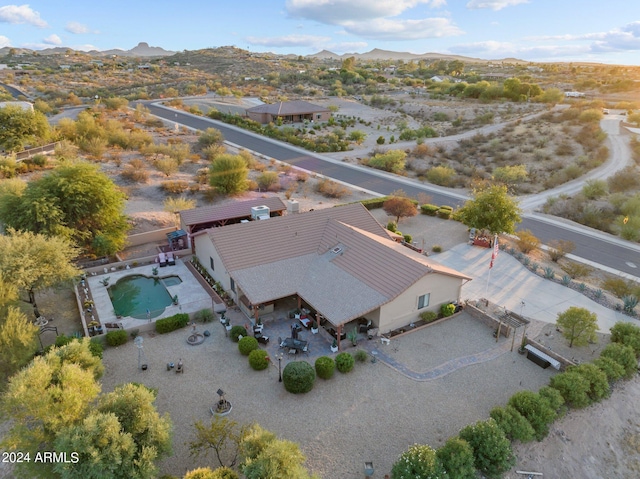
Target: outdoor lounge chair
(171, 259)
(363, 328)
(162, 259)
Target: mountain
(377, 54)
(142, 49)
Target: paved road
(13, 91)
(591, 245)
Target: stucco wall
(205, 251)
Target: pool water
(141, 297)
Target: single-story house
(198, 219)
(339, 263)
(288, 111)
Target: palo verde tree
(76, 201)
(491, 209)
(223, 436)
(578, 325)
(228, 174)
(400, 207)
(20, 127)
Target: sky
(534, 30)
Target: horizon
(528, 30)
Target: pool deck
(191, 296)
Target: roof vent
(337, 249)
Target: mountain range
(142, 49)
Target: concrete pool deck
(191, 296)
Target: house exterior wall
(259, 117)
(204, 251)
(404, 309)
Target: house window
(423, 301)
(211, 263)
(318, 116)
(233, 285)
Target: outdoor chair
(280, 342)
(305, 350)
(292, 351)
(179, 367)
(363, 328)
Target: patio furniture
(363, 328)
(162, 259)
(306, 322)
(280, 342)
(262, 339)
(292, 351)
(296, 344)
(171, 260)
(333, 333)
(179, 367)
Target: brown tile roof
(296, 107)
(236, 209)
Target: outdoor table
(292, 343)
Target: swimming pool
(140, 296)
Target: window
(423, 301)
(211, 262)
(233, 285)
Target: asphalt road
(12, 91)
(591, 245)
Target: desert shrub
(590, 115)
(627, 334)
(344, 362)
(325, 366)
(441, 175)
(514, 425)
(617, 286)
(594, 189)
(204, 315)
(492, 454)
(420, 151)
(574, 388)
(392, 226)
(417, 462)
(527, 241)
(331, 189)
(209, 137)
(136, 175)
(577, 270)
(236, 332)
(456, 457)
(436, 248)
(258, 359)
(624, 356)
(268, 180)
(247, 344)
(624, 180)
(447, 310)
(428, 316)
(167, 166)
(174, 187)
(535, 409)
(298, 377)
(558, 249)
(407, 238)
(392, 161)
(597, 380)
(611, 368)
(554, 398)
(430, 210)
(116, 338)
(172, 323)
(445, 212)
(511, 174)
(361, 355)
(211, 152)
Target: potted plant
(154, 271)
(175, 299)
(105, 282)
(296, 313)
(227, 324)
(521, 349)
(334, 346)
(314, 328)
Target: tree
(491, 209)
(392, 161)
(400, 207)
(574, 388)
(34, 261)
(76, 201)
(491, 449)
(358, 136)
(535, 409)
(228, 174)
(622, 355)
(223, 436)
(19, 127)
(456, 457)
(417, 462)
(210, 137)
(578, 325)
(206, 473)
(514, 424)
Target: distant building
(289, 112)
(25, 105)
(574, 94)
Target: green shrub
(492, 452)
(247, 344)
(456, 456)
(344, 362)
(574, 388)
(429, 316)
(441, 175)
(236, 332)
(417, 462)
(445, 212)
(96, 348)
(392, 161)
(298, 377)
(611, 368)
(361, 355)
(430, 210)
(535, 409)
(627, 334)
(258, 359)
(374, 203)
(204, 315)
(624, 356)
(172, 323)
(514, 425)
(447, 310)
(116, 338)
(325, 366)
(598, 384)
(436, 248)
(554, 398)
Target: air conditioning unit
(259, 211)
(293, 206)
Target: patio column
(299, 302)
(255, 314)
(339, 334)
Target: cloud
(625, 39)
(291, 41)
(53, 39)
(337, 12)
(387, 29)
(78, 28)
(4, 41)
(498, 50)
(15, 14)
(494, 4)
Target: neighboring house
(574, 94)
(198, 219)
(25, 105)
(339, 263)
(289, 112)
(436, 79)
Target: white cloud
(78, 28)
(624, 39)
(337, 12)
(386, 29)
(53, 39)
(21, 14)
(346, 47)
(290, 41)
(494, 4)
(4, 41)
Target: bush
(617, 286)
(447, 310)
(298, 377)
(492, 454)
(610, 368)
(441, 175)
(624, 356)
(172, 323)
(374, 203)
(456, 457)
(577, 270)
(573, 387)
(429, 316)
(325, 366)
(559, 248)
(174, 187)
(535, 409)
(527, 242)
(445, 212)
(268, 180)
(331, 189)
(392, 161)
(361, 355)
(344, 362)
(436, 248)
(258, 359)
(247, 344)
(597, 380)
(204, 315)
(430, 210)
(417, 462)
(116, 338)
(627, 334)
(514, 425)
(236, 332)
